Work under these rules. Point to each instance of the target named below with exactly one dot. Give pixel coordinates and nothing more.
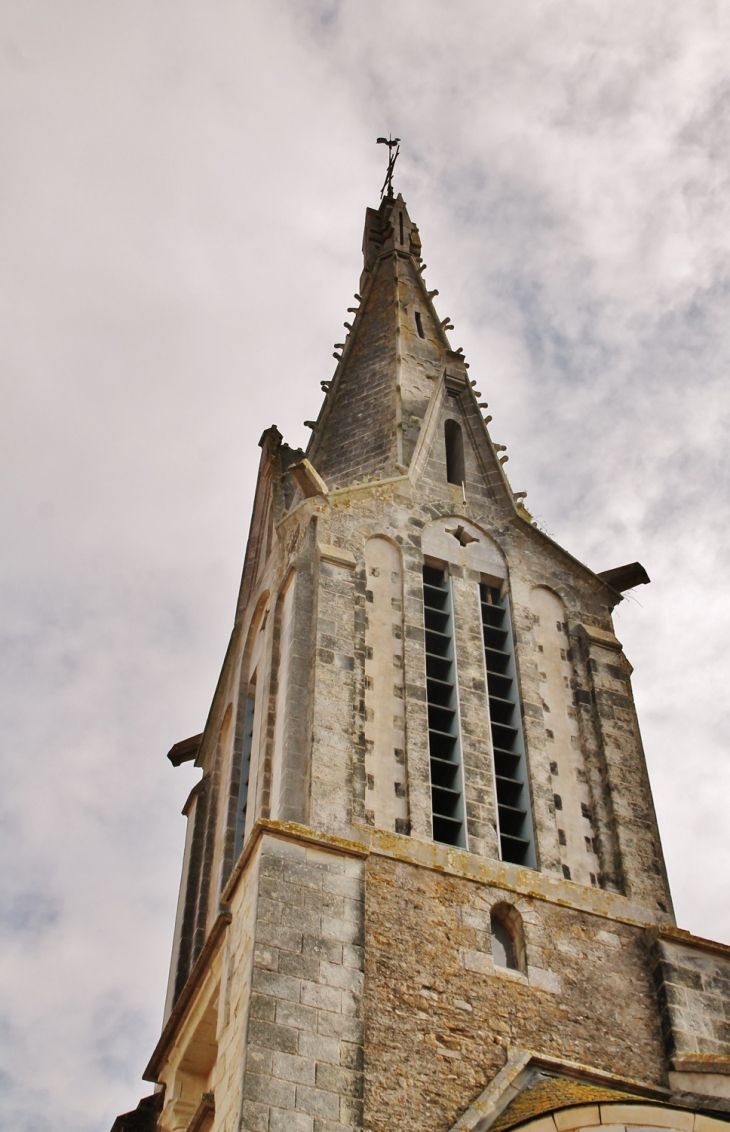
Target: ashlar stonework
(423, 887)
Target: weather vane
(393, 145)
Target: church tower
(423, 888)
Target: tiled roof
(552, 1093)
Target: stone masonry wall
(694, 997)
(439, 1016)
(303, 1068)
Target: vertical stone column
(333, 717)
(479, 794)
(642, 864)
(386, 799)
(303, 1068)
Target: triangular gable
(548, 1094)
(454, 398)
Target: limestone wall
(440, 1015)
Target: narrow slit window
(419, 325)
(447, 786)
(400, 222)
(514, 819)
(454, 452)
(248, 726)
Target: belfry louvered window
(447, 788)
(513, 801)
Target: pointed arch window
(245, 766)
(444, 738)
(514, 818)
(454, 441)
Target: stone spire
(395, 349)
(423, 884)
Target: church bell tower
(423, 888)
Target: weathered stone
(336, 969)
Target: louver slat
(513, 804)
(447, 790)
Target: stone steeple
(423, 885)
(395, 368)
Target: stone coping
(701, 1063)
(681, 936)
(459, 863)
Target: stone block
(476, 961)
(345, 978)
(582, 1116)
(320, 1048)
(269, 1090)
(273, 1036)
(259, 1060)
(279, 935)
(650, 1116)
(276, 985)
(254, 1117)
(285, 1120)
(351, 1004)
(292, 1067)
(353, 956)
(343, 885)
(351, 1056)
(343, 1026)
(304, 919)
(303, 874)
(318, 1103)
(266, 957)
(329, 949)
(300, 966)
(283, 849)
(344, 1082)
(351, 1111)
(263, 1007)
(296, 1016)
(544, 980)
(322, 997)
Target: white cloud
(183, 191)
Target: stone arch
(508, 937)
(281, 669)
(249, 709)
(633, 1116)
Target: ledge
(337, 555)
(458, 863)
(680, 935)
(500, 874)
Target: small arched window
(508, 942)
(454, 452)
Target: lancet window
(513, 801)
(444, 741)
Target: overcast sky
(182, 193)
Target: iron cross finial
(393, 145)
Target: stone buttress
(423, 886)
